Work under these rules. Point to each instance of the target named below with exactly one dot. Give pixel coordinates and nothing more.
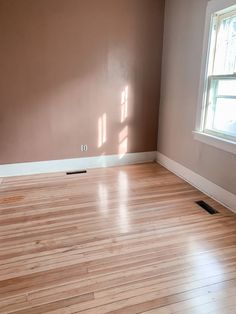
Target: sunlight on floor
(123, 208)
(204, 264)
(103, 196)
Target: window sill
(220, 143)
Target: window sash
(211, 100)
(217, 20)
(212, 96)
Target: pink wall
(64, 65)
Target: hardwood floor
(118, 240)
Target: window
(218, 91)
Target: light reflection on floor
(123, 185)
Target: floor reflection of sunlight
(103, 197)
(102, 130)
(203, 266)
(204, 263)
(123, 185)
(123, 209)
(124, 219)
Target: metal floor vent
(76, 172)
(207, 207)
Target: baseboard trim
(29, 168)
(207, 187)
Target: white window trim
(217, 142)
(221, 143)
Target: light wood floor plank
(119, 240)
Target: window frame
(213, 132)
(217, 139)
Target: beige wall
(183, 39)
(65, 63)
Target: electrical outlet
(84, 148)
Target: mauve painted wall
(65, 63)
(182, 52)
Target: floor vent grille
(76, 172)
(207, 207)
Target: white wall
(183, 40)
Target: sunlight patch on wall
(102, 130)
(123, 135)
(124, 104)
(123, 142)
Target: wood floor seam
(122, 240)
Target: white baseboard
(216, 192)
(209, 188)
(29, 168)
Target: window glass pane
(225, 54)
(221, 110)
(224, 120)
(227, 87)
